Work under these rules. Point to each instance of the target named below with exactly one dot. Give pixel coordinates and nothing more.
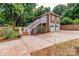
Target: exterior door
(54, 27)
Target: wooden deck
(36, 45)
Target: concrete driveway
(28, 44)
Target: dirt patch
(66, 48)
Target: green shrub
(1, 33)
(66, 20)
(40, 29)
(76, 21)
(9, 33)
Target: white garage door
(54, 27)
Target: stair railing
(34, 24)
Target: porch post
(35, 30)
(20, 31)
(47, 22)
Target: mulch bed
(40, 33)
(5, 39)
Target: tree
(16, 14)
(39, 11)
(17, 11)
(72, 11)
(29, 12)
(5, 13)
(20, 14)
(59, 9)
(46, 9)
(42, 10)
(69, 5)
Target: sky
(51, 5)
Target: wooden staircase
(29, 28)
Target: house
(48, 22)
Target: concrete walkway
(29, 44)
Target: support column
(35, 30)
(41, 26)
(47, 23)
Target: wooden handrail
(34, 24)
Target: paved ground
(13, 48)
(29, 44)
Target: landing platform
(37, 44)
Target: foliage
(72, 11)
(40, 29)
(59, 9)
(66, 20)
(41, 10)
(76, 21)
(8, 33)
(22, 14)
(1, 22)
(19, 14)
